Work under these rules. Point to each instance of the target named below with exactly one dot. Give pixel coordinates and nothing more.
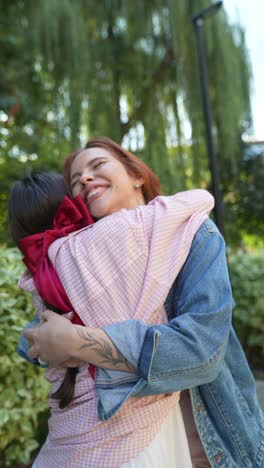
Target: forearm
(60, 343)
(94, 346)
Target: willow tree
(125, 68)
(129, 70)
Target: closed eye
(74, 183)
(98, 164)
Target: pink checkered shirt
(121, 267)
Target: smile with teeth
(97, 191)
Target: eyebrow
(87, 165)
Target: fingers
(47, 314)
(30, 334)
(33, 352)
(68, 316)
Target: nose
(86, 176)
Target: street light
(198, 20)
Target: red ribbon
(70, 216)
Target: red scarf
(70, 216)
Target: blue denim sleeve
(188, 351)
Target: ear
(138, 183)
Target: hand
(51, 341)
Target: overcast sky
(250, 14)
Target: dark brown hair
(134, 166)
(32, 204)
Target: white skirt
(170, 447)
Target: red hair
(134, 166)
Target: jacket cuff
(147, 353)
(120, 333)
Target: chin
(98, 214)
(100, 210)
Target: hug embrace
(145, 369)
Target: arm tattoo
(110, 355)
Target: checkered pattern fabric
(121, 267)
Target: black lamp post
(198, 20)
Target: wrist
(76, 342)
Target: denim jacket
(197, 350)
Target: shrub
(23, 388)
(247, 274)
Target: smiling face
(104, 183)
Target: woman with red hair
(112, 270)
(197, 352)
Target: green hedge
(23, 389)
(247, 278)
